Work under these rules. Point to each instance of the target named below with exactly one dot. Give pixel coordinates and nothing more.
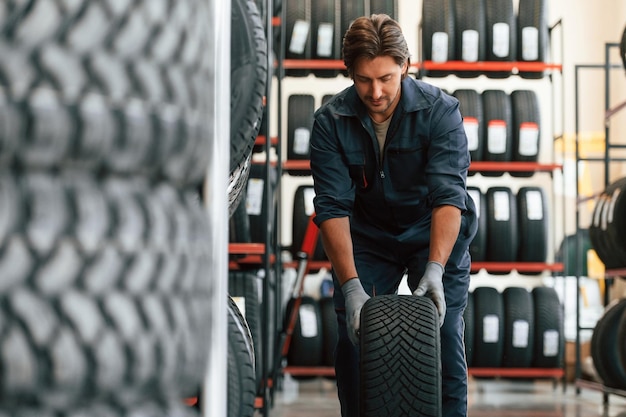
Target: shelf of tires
(604, 234)
(503, 130)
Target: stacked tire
(517, 328)
(606, 232)
(608, 348)
(103, 241)
(513, 226)
(484, 30)
(501, 127)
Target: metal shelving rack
(606, 160)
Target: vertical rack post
(215, 190)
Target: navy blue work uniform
(389, 201)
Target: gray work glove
(355, 296)
(432, 284)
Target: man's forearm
(338, 246)
(444, 231)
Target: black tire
(549, 338)
(298, 34)
(302, 211)
(471, 108)
(329, 330)
(502, 227)
(438, 34)
(468, 338)
(621, 340)
(300, 109)
(519, 328)
(118, 89)
(248, 81)
(400, 357)
(478, 246)
(489, 328)
(388, 7)
(306, 344)
(569, 256)
(243, 288)
(498, 131)
(257, 209)
(469, 18)
(326, 34)
(605, 218)
(526, 128)
(501, 24)
(616, 223)
(532, 210)
(241, 372)
(239, 224)
(533, 34)
(605, 345)
(105, 294)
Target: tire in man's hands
(400, 359)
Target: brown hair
(371, 37)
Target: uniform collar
(412, 99)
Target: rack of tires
(602, 230)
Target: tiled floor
(487, 398)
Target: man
(389, 160)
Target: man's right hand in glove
(355, 296)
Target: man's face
(377, 83)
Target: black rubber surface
(470, 15)
(106, 289)
(302, 203)
(489, 328)
(471, 107)
(437, 18)
(306, 342)
(533, 224)
(533, 15)
(502, 227)
(400, 357)
(519, 325)
(526, 128)
(300, 109)
(326, 33)
(605, 346)
(241, 372)
(297, 34)
(501, 25)
(478, 246)
(498, 131)
(549, 337)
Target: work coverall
(389, 200)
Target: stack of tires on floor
(515, 328)
(103, 240)
(607, 237)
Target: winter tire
(400, 357)
(549, 338)
(519, 326)
(488, 327)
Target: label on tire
(471, 131)
(470, 45)
(254, 196)
(301, 140)
(309, 195)
(308, 321)
(501, 40)
(528, 139)
(521, 330)
(439, 47)
(491, 328)
(325, 40)
(496, 136)
(502, 209)
(298, 36)
(534, 205)
(550, 343)
(530, 43)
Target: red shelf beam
(475, 166)
(430, 65)
(518, 266)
